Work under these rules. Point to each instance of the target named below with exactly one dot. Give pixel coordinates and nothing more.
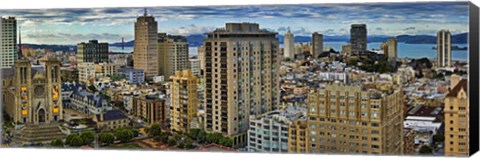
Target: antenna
(122, 43)
(145, 13)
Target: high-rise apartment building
(317, 44)
(195, 66)
(390, 49)
(92, 52)
(358, 38)
(346, 50)
(201, 56)
(289, 45)
(172, 54)
(8, 43)
(184, 100)
(297, 136)
(363, 119)
(145, 52)
(444, 48)
(457, 120)
(241, 78)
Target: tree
(225, 141)
(438, 138)
(88, 137)
(181, 145)
(154, 130)
(124, 135)
(106, 138)
(426, 150)
(74, 140)
(172, 142)
(194, 133)
(57, 143)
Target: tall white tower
(289, 45)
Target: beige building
(172, 54)
(184, 100)
(289, 45)
(457, 119)
(297, 136)
(32, 95)
(201, 56)
(317, 44)
(390, 49)
(8, 44)
(360, 119)
(145, 48)
(347, 50)
(106, 69)
(86, 73)
(444, 48)
(111, 120)
(241, 78)
(152, 109)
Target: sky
(71, 26)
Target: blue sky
(70, 26)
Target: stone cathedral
(32, 94)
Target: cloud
(409, 28)
(378, 29)
(190, 29)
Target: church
(31, 93)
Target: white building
(195, 67)
(444, 50)
(269, 132)
(8, 44)
(86, 72)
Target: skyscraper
(172, 54)
(358, 38)
(457, 119)
(241, 78)
(8, 45)
(444, 51)
(92, 52)
(184, 100)
(289, 45)
(317, 44)
(145, 50)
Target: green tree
(438, 138)
(225, 141)
(57, 143)
(124, 135)
(181, 145)
(426, 150)
(154, 130)
(88, 137)
(74, 140)
(106, 138)
(172, 142)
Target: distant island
(455, 48)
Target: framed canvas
(348, 78)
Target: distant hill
(196, 40)
(52, 47)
